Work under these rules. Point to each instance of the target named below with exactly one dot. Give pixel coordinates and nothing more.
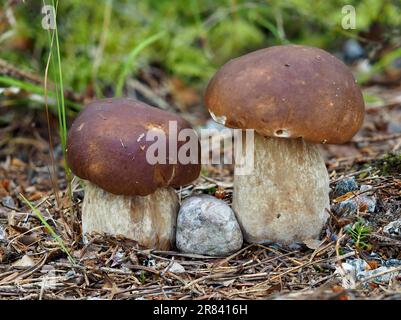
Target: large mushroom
(125, 194)
(294, 97)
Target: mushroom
(124, 193)
(294, 97)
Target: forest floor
(356, 258)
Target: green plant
(54, 63)
(198, 36)
(71, 106)
(49, 228)
(127, 66)
(55, 66)
(142, 277)
(212, 190)
(389, 164)
(360, 233)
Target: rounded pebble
(207, 226)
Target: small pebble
(346, 207)
(344, 186)
(353, 205)
(2, 233)
(394, 127)
(366, 204)
(353, 51)
(355, 270)
(295, 246)
(333, 237)
(393, 228)
(176, 268)
(365, 187)
(25, 261)
(117, 258)
(207, 226)
(8, 202)
(71, 274)
(392, 263)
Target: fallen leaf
(373, 264)
(35, 196)
(15, 162)
(220, 193)
(344, 197)
(313, 243)
(228, 283)
(25, 261)
(176, 268)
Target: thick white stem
(286, 196)
(149, 220)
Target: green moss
(200, 35)
(390, 164)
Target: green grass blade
(131, 57)
(32, 88)
(58, 77)
(54, 52)
(48, 227)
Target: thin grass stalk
(53, 175)
(131, 57)
(59, 88)
(55, 236)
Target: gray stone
(365, 187)
(346, 207)
(2, 233)
(393, 228)
(353, 51)
(361, 203)
(366, 204)
(344, 186)
(391, 263)
(355, 271)
(381, 278)
(8, 202)
(207, 226)
(176, 268)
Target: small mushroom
(124, 193)
(294, 97)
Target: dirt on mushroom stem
(286, 197)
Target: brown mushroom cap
(107, 146)
(288, 91)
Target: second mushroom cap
(288, 91)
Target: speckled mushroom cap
(107, 146)
(288, 91)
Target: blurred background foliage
(97, 37)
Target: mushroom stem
(285, 198)
(149, 220)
